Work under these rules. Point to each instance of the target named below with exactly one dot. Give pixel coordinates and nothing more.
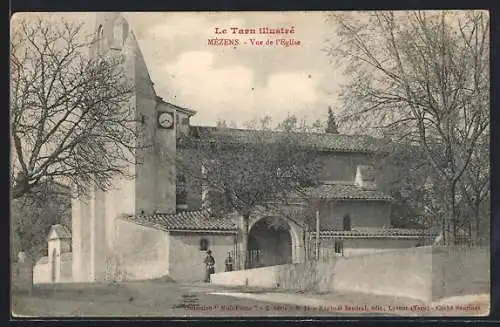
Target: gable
(59, 232)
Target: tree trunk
(444, 229)
(477, 219)
(306, 243)
(453, 219)
(469, 241)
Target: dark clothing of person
(229, 263)
(210, 267)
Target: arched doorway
(269, 243)
(54, 258)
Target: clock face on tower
(165, 119)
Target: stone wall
(267, 277)
(140, 253)
(41, 272)
(379, 243)
(297, 276)
(65, 275)
(406, 273)
(22, 276)
(460, 270)
(354, 247)
(423, 273)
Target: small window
(203, 244)
(185, 121)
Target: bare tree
(292, 124)
(247, 170)
(423, 78)
(221, 123)
(70, 117)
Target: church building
(156, 225)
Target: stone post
(22, 273)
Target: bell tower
(111, 33)
(152, 188)
(154, 183)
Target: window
(203, 244)
(346, 224)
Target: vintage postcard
(233, 164)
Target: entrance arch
(271, 241)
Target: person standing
(229, 262)
(209, 266)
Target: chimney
(365, 177)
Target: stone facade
(362, 213)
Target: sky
(236, 83)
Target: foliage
(293, 124)
(331, 124)
(421, 78)
(408, 177)
(32, 217)
(224, 124)
(70, 119)
(245, 176)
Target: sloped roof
(376, 232)
(187, 111)
(185, 221)
(320, 141)
(337, 191)
(61, 232)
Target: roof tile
(185, 221)
(320, 141)
(344, 192)
(361, 232)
